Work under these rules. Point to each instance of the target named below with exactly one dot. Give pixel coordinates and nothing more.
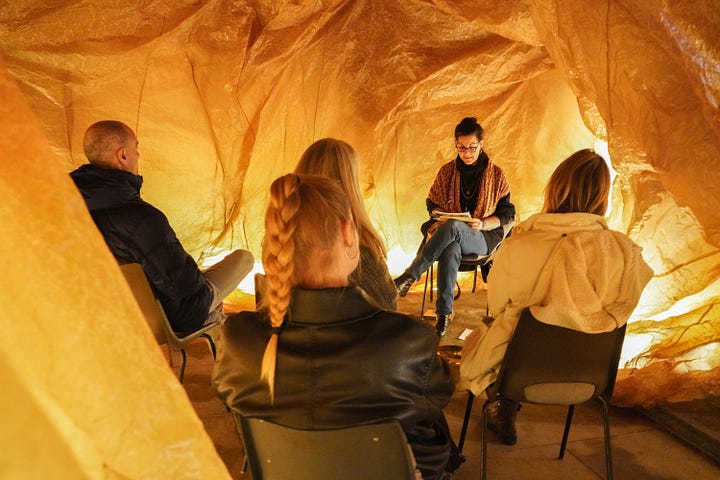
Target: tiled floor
(641, 448)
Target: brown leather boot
(501, 420)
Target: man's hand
(476, 224)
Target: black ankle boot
(501, 420)
(403, 284)
(443, 322)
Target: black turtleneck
(470, 178)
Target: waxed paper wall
(225, 95)
(86, 393)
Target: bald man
(137, 232)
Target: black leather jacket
(137, 232)
(341, 361)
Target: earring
(352, 249)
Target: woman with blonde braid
(320, 354)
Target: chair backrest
(154, 314)
(353, 453)
(548, 364)
(507, 229)
(260, 282)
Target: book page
(442, 216)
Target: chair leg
(457, 284)
(242, 442)
(432, 277)
(213, 349)
(422, 305)
(474, 279)
(485, 270)
(606, 427)
(466, 420)
(483, 439)
(566, 431)
(182, 366)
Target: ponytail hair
(303, 219)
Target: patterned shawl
(445, 191)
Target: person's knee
(242, 259)
(452, 253)
(451, 227)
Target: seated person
(338, 160)
(137, 232)
(469, 183)
(564, 263)
(319, 354)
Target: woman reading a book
(470, 183)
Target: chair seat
(475, 258)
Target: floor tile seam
(615, 434)
(586, 465)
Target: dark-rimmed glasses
(469, 148)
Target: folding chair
(362, 452)
(156, 318)
(550, 365)
(468, 263)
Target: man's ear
(120, 155)
(120, 159)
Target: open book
(442, 216)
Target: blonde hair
(581, 183)
(336, 159)
(303, 221)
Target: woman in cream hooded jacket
(571, 270)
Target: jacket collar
(563, 222)
(105, 187)
(330, 305)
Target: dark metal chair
(352, 453)
(551, 365)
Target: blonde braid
(277, 257)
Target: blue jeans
(450, 241)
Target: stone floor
(642, 448)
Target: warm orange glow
(224, 97)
